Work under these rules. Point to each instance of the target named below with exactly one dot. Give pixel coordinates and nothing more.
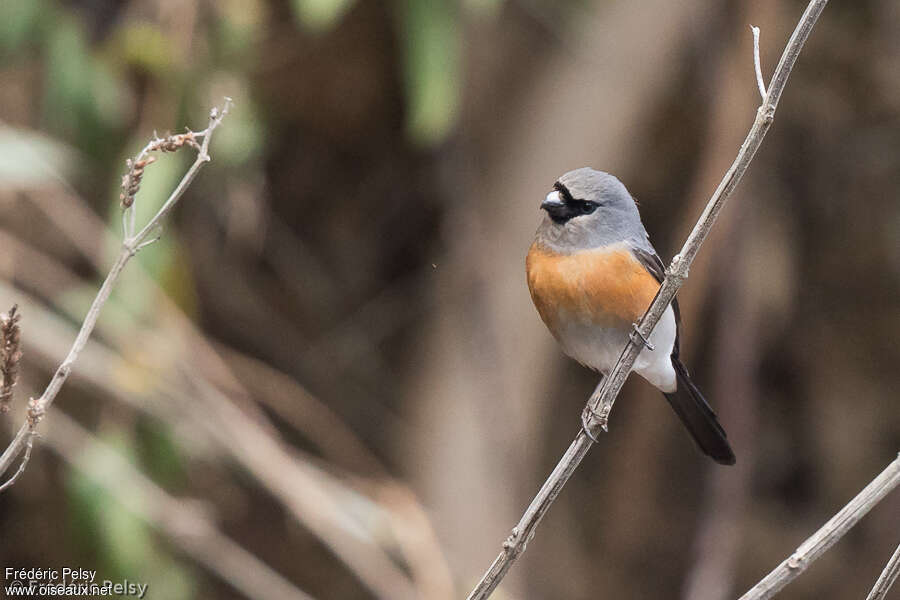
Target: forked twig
(131, 243)
(29, 444)
(827, 535)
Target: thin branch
(596, 413)
(829, 533)
(130, 246)
(757, 64)
(29, 444)
(887, 578)
(352, 516)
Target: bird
(592, 273)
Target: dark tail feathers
(699, 418)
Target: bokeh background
(327, 378)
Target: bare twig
(29, 444)
(596, 414)
(829, 533)
(887, 577)
(130, 245)
(131, 181)
(757, 64)
(350, 514)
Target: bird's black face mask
(561, 206)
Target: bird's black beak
(555, 206)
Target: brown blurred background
(328, 376)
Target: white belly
(599, 349)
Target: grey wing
(654, 264)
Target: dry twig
(887, 577)
(828, 534)
(29, 444)
(213, 417)
(596, 414)
(131, 244)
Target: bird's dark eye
(587, 207)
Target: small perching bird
(592, 273)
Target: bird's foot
(638, 338)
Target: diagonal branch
(887, 577)
(596, 413)
(130, 246)
(828, 534)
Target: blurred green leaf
(319, 15)
(128, 543)
(237, 32)
(107, 94)
(82, 94)
(145, 46)
(68, 76)
(123, 542)
(18, 21)
(159, 452)
(432, 63)
(121, 539)
(244, 137)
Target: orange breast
(604, 287)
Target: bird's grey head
(589, 209)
